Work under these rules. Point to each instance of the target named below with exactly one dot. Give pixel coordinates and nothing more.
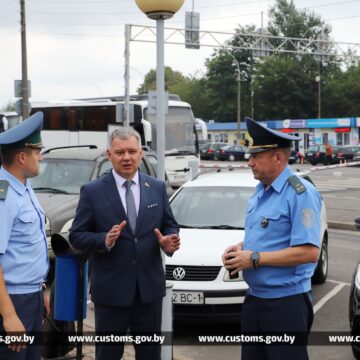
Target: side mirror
(357, 222)
(61, 245)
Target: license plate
(187, 297)
(179, 177)
(309, 154)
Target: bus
(201, 130)
(89, 121)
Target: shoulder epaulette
(4, 185)
(296, 183)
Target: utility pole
(127, 75)
(24, 80)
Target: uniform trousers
(139, 318)
(292, 315)
(30, 310)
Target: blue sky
(75, 47)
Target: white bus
(88, 121)
(201, 130)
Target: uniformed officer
(280, 248)
(23, 247)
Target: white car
(210, 210)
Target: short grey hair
(124, 133)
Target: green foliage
(283, 85)
(172, 78)
(10, 106)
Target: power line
(9, 13)
(74, 34)
(7, 3)
(331, 4)
(71, 2)
(72, 24)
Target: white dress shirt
(135, 188)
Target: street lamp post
(160, 10)
(318, 80)
(238, 80)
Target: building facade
(337, 131)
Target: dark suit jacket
(135, 260)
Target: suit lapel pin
(147, 185)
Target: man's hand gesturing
(114, 234)
(169, 243)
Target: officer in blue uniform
(23, 246)
(280, 249)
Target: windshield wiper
(187, 226)
(225, 227)
(51, 190)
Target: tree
(283, 84)
(191, 89)
(221, 77)
(10, 106)
(172, 78)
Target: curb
(341, 225)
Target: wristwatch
(255, 257)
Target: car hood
(204, 247)
(58, 207)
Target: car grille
(194, 273)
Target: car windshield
(62, 175)
(217, 207)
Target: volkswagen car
(210, 210)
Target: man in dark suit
(125, 219)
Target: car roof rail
(47, 151)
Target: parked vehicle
(211, 210)
(347, 153)
(63, 171)
(356, 156)
(315, 154)
(208, 151)
(335, 151)
(354, 304)
(293, 158)
(231, 152)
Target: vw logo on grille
(178, 273)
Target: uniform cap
(25, 134)
(265, 139)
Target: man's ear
(108, 153)
(21, 157)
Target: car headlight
(67, 226)
(227, 276)
(47, 226)
(357, 278)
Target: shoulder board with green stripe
(4, 185)
(296, 183)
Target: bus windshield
(180, 134)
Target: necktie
(130, 205)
